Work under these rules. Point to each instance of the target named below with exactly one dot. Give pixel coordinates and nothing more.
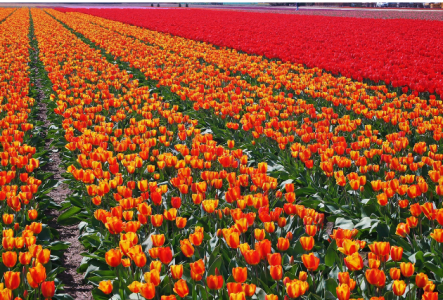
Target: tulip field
(221, 155)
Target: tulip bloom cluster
(24, 261)
(381, 256)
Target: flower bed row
(5, 12)
(198, 204)
(29, 254)
(404, 55)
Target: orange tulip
(186, 248)
(274, 259)
(12, 280)
(8, 219)
(403, 203)
(276, 272)
(249, 289)
(198, 267)
(303, 276)
(382, 199)
(233, 240)
(126, 262)
(437, 235)
(307, 242)
(25, 258)
(237, 296)
(209, 206)
(114, 225)
(430, 296)
(240, 274)
(252, 257)
(158, 240)
(147, 290)
(296, 288)
(354, 262)
(180, 222)
(113, 257)
(263, 247)
(135, 287)
(214, 282)
(9, 259)
(259, 234)
(282, 244)
(181, 288)
(177, 271)
(395, 273)
(380, 248)
(421, 280)
(152, 277)
(412, 222)
(439, 216)
(48, 289)
(310, 261)
(270, 227)
(402, 229)
(165, 255)
(105, 286)
(399, 287)
(349, 247)
(415, 209)
(234, 287)
(343, 278)
(157, 220)
(196, 238)
(407, 269)
(139, 259)
(311, 230)
(170, 214)
(375, 277)
(429, 287)
(343, 292)
(428, 210)
(373, 263)
(396, 253)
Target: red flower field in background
(400, 52)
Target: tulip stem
(407, 285)
(170, 278)
(313, 280)
(421, 229)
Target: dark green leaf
(67, 217)
(331, 254)
(331, 285)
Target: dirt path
(74, 285)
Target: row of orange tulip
(24, 260)
(5, 12)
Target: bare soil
(73, 281)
